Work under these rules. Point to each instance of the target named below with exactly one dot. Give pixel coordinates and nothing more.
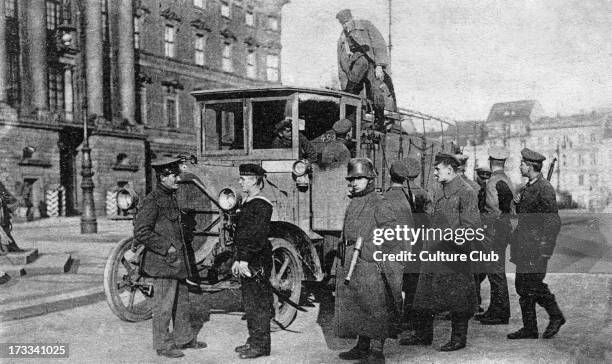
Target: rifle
(551, 169)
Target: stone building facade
(127, 67)
(582, 144)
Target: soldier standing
(337, 151)
(158, 227)
(532, 244)
(253, 261)
(496, 219)
(483, 173)
(421, 203)
(447, 285)
(368, 306)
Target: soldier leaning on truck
(158, 227)
(532, 244)
(368, 306)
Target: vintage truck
(236, 126)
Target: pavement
(582, 278)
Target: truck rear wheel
(287, 275)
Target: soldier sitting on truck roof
(283, 139)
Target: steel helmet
(360, 168)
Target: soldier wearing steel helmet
(363, 307)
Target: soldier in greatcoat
(158, 227)
(336, 152)
(499, 193)
(363, 60)
(447, 285)
(532, 244)
(368, 307)
(421, 203)
(253, 261)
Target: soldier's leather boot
(423, 331)
(523, 333)
(459, 331)
(530, 321)
(242, 348)
(253, 352)
(170, 353)
(360, 351)
(556, 317)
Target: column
(126, 61)
(93, 57)
(3, 56)
(37, 18)
(68, 94)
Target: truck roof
(248, 92)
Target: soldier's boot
(530, 321)
(376, 355)
(556, 317)
(459, 332)
(361, 350)
(423, 330)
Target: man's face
(525, 169)
(247, 182)
(170, 181)
(285, 133)
(443, 173)
(482, 177)
(357, 185)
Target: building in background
(127, 67)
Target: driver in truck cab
(284, 135)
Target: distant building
(128, 68)
(581, 143)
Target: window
(273, 23)
(266, 114)
(141, 99)
(199, 45)
(593, 159)
(199, 4)
(580, 180)
(226, 63)
(225, 10)
(252, 64)
(272, 67)
(104, 5)
(169, 41)
(223, 127)
(249, 18)
(580, 160)
(137, 27)
(9, 9)
(564, 161)
(171, 112)
(53, 13)
(55, 84)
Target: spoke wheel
(286, 277)
(124, 287)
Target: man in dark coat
(283, 140)
(499, 193)
(532, 244)
(253, 261)
(336, 152)
(363, 60)
(158, 227)
(368, 307)
(447, 284)
(421, 204)
(483, 173)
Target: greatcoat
(366, 307)
(449, 286)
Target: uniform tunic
(253, 246)
(449, 286)
(365, 307)
(335, 151)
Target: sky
(456, 58)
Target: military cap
(167, 165)
(342, 126)
(498, 153)
(344, 15)
(483, 168)
(446, 158)
(461, 158)
(413, 165)
(399, 170)
(285, 123)
(531, 156)
(250, 169)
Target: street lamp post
(89, 224)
